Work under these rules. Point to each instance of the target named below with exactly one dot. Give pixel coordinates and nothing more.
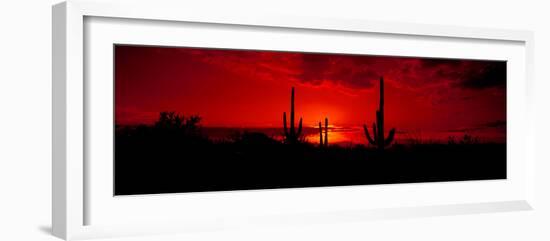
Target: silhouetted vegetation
(292, 136)
(173, 155)
(377, 138)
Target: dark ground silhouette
(173, 155)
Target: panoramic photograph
(192, 119)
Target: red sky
(246, 88)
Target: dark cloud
(360, 71)
(433, 63)
(491, 74)
(356, 71)
(498, 124)
(468, 74)
(495, 124)
(348, 71)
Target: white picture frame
(77, 195)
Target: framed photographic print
(203, 119)
(173, 120)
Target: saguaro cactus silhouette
(378, 139)
(325, 142)
(292, 136)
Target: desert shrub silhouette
(467, 139)
(253, 139)
(171, 123)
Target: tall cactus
(325, 142)
(292, 136)
(378, 139)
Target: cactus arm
(371, 141)
(391, 135)
(292, 134)
(299, 132)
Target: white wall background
(25, 121)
